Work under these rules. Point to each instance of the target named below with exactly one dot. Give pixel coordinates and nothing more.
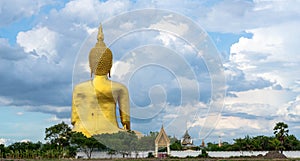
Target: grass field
(158, 159)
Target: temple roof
(162, 138)
(186, 139)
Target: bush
(203, 154)
(150, 155)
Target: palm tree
(281, 132)
(275, 143)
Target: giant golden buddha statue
(94, 101)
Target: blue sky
(43, 41)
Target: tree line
(279, 142)
(62, 142)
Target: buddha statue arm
(123, 101)
(74, 115)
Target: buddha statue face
(100, 57)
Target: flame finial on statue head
(100, 36)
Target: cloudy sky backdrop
(170, 82)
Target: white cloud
(5, 100)
(168, 24)
(291, 110)
(55, 120)
(268, 44)
(271, 54)
(40, 40)
(88, 29)
(49, 109)
(261, 96)
(20, 113)
(3, 141)
(238, 123)
(188, 116)
(242, 15)
(170, 33)
(127, 26)
(92, 11)
(25, 141)
(121, 68)
(166, 39)
(14, 10)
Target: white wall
(292, 154)
(227, 154)
(224, 154)
(183, 154)
(98, 154)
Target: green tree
(176, 145)
(59, 137)
(212, 147)
(3, 151)
(59, 134)
(281, 132)
(122, 142)
(275, 144)
(87, 145)
(291, 143)
(111, 153)
(24, 149)
(239, 144)
(225, 146)
(261, 142)
(146, 142)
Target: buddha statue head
(100, 57)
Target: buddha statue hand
(126, 125)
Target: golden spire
(100, 57)
(100, 36)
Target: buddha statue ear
(109, 73)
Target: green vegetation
(256, 143)
(87, 145)
(281, 141)
(63, 143)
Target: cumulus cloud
(41, 41)
(291, 110)
(10, 53)
(29, 78)
(270, 54)
(92, 11)
(14, 10)
(237, 80)
(59, 112)
(259, 102)
(175, 118)
(3, 141)
(243, 15)
(168, 24)
(230, 127)
(262, 71)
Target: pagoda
(186, 141)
